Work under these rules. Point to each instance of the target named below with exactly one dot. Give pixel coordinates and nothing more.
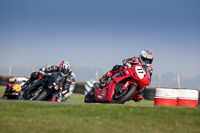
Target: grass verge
(37, 117)
(31, 117)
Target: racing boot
(103, 81)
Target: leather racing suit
(68, 83)
(130, 62)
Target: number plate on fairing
(140, 72)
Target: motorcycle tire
(127, 96)
(90, 98)
(42, 96)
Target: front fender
(128, 83)
(111, 90)
(136, 85)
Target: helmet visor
(65, 71)
(149, 61)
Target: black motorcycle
(46, 89)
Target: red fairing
(141, 76)
(132, 76)
(111, 90)
(117, 78)
(101, 95)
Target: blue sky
(100, 33)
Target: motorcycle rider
(145, 58)
(65, 69)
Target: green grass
(2, 90)
(31, 117)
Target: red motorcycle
(122, 87)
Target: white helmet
(146, 56)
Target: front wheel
(42, 96)
(126, 97)
(39, 94)
(90, 97)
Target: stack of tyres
(187, 98)
(165, 97)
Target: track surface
(70, 103)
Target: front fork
(57, 97)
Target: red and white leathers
(130, 62)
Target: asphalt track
(70, 103)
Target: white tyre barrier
(89, 85)
(166, 93)
(165, 97)
(187, 98)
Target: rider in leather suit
(65, 69)
(145, 57)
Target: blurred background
(98, 34)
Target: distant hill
(170, 80)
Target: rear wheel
(90, 97)
(127, 96)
